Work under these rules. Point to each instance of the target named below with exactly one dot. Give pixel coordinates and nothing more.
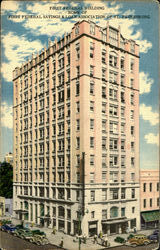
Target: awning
(21, 211)
(151, 216)
(115, 221)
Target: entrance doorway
(113, 228)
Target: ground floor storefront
(150, 219)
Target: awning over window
(151, 216)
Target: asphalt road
(10, 242)
(148, 247)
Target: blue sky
(21, 37)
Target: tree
(6, 180)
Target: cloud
(152, 138)
(9, 6)
(145, 82)
(16, 48)
(6, 115)
(148, 115)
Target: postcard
(80, 119)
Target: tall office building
(76, 133)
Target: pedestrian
(95, 239)
(106, 240)
(135, 230)
(54, 230)
(84, 238)
(61, 244)
(100, 235)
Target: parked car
(39, 239)
(138, 240)
(20, 232)
(119, 239)
(9, 228)
(153, 237)
(38, 232)
(156, 231)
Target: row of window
(149, 187)
(150, 202)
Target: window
(104, 142)
(132, 146)
(132, 130)
(132, 83)
(91, 177)
(113, 194)
(113, 77)
(150, 187)
(132, 193)
(78, 124)
(92, 195)
(103, 92)
(77, 195)
(77, 89)
(150, 202)
(113, 59)
(132, 161)
(132, 65)
(158, 202)
(144, 187)
(122, 80)
(122, 97)
(104, 214)
(91, 142)
(122, 63)
(103, 56)
(132, 99)
(122, 112)
(132, 114)
(113, 144)
(78, 107)
(114, 212)
(104, 159)
(78, 51)
(123, 193)
(91, 70)
(104, 175)
(113, 176)
(92, 160)
(113, 110)
(92, 214)
(91, 123)
(78, 71)
(91, 106)
(103, 74)
(78, 160)
(103, 108)
(104, 194)
(122, 145)
(92, 28)
(104, 125)
(123, 174)
(122, 128)
(144, 203)
(133, 177)
(133, 210)
(123, 211)
(91, 49)
(113, 94)
(157, 186)
(78, 142)
(123, 161)
(78, 177)
(91, 88)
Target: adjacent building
(76, 133)
(9, 158)
(150, 198)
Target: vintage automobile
(153, 237)
(9, 228)
(21, 232)
(138, 240)
(37, 231)
(39, 239)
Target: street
(148, 247)
(10, 242)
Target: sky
(27, 25)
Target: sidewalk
(70, 244)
